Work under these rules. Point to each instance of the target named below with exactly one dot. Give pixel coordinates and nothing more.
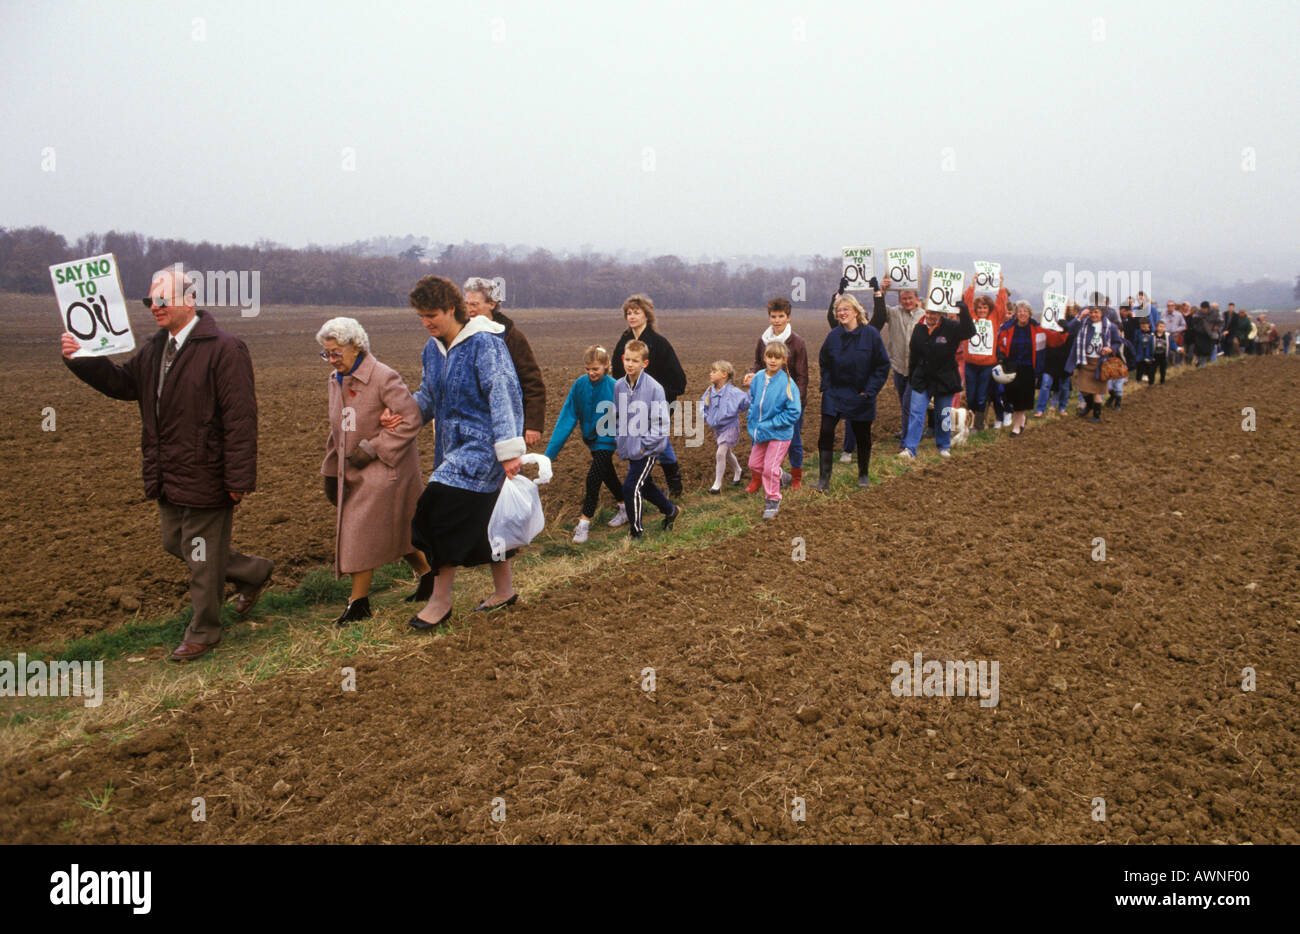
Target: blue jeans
(919, 404)
(1052, 394)
(978, 380)
(669, 456)
(1116, 386)
(796, 445)
(1214, 352)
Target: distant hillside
(382, 270)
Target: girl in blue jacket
(590, 397)
(774, 407)
(721, 406)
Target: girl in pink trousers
(774, 407)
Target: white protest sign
(987, 276)
(859, 267)
(1054, 310)
(981, 345)
(946, 288)
(89, 293)
(903, 268)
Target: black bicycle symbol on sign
(95, 312)
(856, 272)
(941, 295)
(901, 274)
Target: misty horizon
(1155, 138)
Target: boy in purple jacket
(641, 411)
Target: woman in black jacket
(854, 366)
(932, 374)
(639, 312)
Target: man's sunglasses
(149, 302)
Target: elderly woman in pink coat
(372, 474)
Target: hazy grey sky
(718, 128)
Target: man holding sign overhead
(198, 413)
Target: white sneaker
(846, 458)
(581, 532)
(906, 455)
(620, 517)
(1006, 420)
(945, 453)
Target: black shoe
(416, 623)
(669, 519)
(636, 536)
(484, 608)
(713, 491)
(358, 609)
(673, 474)
(1119, 402)
(425, 589)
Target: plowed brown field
(1119, 679)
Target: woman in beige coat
(372, 474)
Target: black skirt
(450, 526)
(1020, 393)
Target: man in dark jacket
(1201, 334)
(932, 374)
(198, 413)
(480, 299)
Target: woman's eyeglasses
(331, 356)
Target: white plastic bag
(517, 517)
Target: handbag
(1113, 367)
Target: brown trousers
(201, 538)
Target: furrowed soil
(1119, 679)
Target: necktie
(168, 356)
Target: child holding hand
(589, 397)
(721, 406)
(774, 407)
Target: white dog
(961, 421)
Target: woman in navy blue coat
(854, 366)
